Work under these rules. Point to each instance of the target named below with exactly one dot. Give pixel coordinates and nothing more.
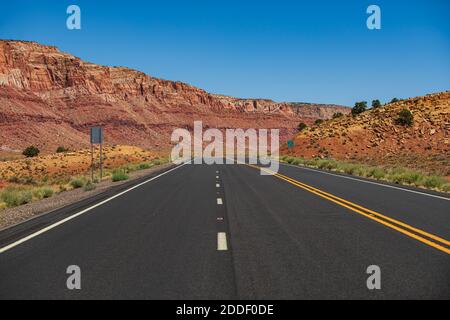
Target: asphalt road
(226, 232)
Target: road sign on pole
(97, 138)
(96, 135)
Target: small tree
(61, 150)
(31, 152)
(405, 118)
(338, 115)
(376, 104)
(318, 122)
(395, 100)
(359, 107)
(302, 126)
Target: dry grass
(396, 175)
(26, 180)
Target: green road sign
(290, 144)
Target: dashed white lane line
(222, 241)
(219, 201)
(46, 229)
(217, 185)
(217, 177)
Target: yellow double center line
(418, 234)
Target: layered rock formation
(375, 137)
(49, 98)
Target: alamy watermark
(74, 280)
(73, 21)
(214, 146)
(374, 20)
(374, 280)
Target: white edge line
(50, 227)
(222, 241)
(365, 181)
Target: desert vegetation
(31, 179)
(31, 152)
(359, 107)
(302, 126)
(397, 175)
(405, 118)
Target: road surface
(226, 232)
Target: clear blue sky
(283, 50)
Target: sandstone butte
(374, 137)
(49, 98)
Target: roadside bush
(89, 186)
(144, 166)
(31, 152)
(157, 162)
(349, 168)
(405, 118)
(290, 160)
(433, 182)
(43, 193)
(446, 187)
(77, 183)
(119, 175)
(376, 173)
(14, 197)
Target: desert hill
(375, 137)
(49, 98)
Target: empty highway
(227, 232)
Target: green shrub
(318, 122)
(89, 186)
(43, 193)
(349, 168)
(31, 152)
(144, 166)
(302, 126)
(47, 192)
(14, 197)
(359, 107)
(338, 115)
(432, 182)
(394, 100)
(61, 150)
(376, 104)
(157, 162)
(405, 118)
(119, 175)
(376, 173)
(77, 183)
(446, 187)
(290, 160)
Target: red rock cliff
(50, 98)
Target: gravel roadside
(14, 216)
